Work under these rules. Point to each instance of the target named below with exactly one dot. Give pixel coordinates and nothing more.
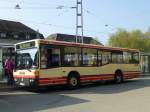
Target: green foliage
(135, 39)
(96, 41)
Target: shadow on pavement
(36, 102)
(101, 88)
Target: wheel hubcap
(73, 81)
(118, 77)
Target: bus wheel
(73, 81)
(118, 77)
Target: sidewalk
(4, 86)
(145, 75)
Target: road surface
(131, 96)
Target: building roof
(72, 38)
(12, 32)
(6, 26)
(15, 32)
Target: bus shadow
(101, 88)
(111, 88)
(36, 102)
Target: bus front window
(27, 59)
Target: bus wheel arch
(73, 80)
(118, 78)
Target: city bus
(43, 62)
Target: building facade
(11, 33)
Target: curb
(145, 76)
(6, 89)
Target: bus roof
(46, 41)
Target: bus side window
(106, 58)
(89, 57)
(85, 59)
(51, 58)
(44, 57)
(55, 57)
(99, 58)
(71, 56)
(117, 57)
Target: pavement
(5, 87)
(130, 96)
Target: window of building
(72, 56)
(22, 35)
(27, 36)
(106, 57)
(117, 57)
(16, 36)
(89, 57)
(3, 35)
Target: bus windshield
(27, 59)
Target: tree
(135, 39)
(96, 41)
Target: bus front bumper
(30, 82)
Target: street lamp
(17, 6)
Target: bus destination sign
(25, 45)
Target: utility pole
(79, 22)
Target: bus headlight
(15, 79)
(31, 80)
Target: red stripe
(54, 80)
(131, 76)
(86, 78)
(97, 75)
(48, 82)
(133, 71)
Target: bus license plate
(22, 84)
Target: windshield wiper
(29, 70)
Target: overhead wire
(43, 7)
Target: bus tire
(118, 77)
(73, 81)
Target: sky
(101, 17)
